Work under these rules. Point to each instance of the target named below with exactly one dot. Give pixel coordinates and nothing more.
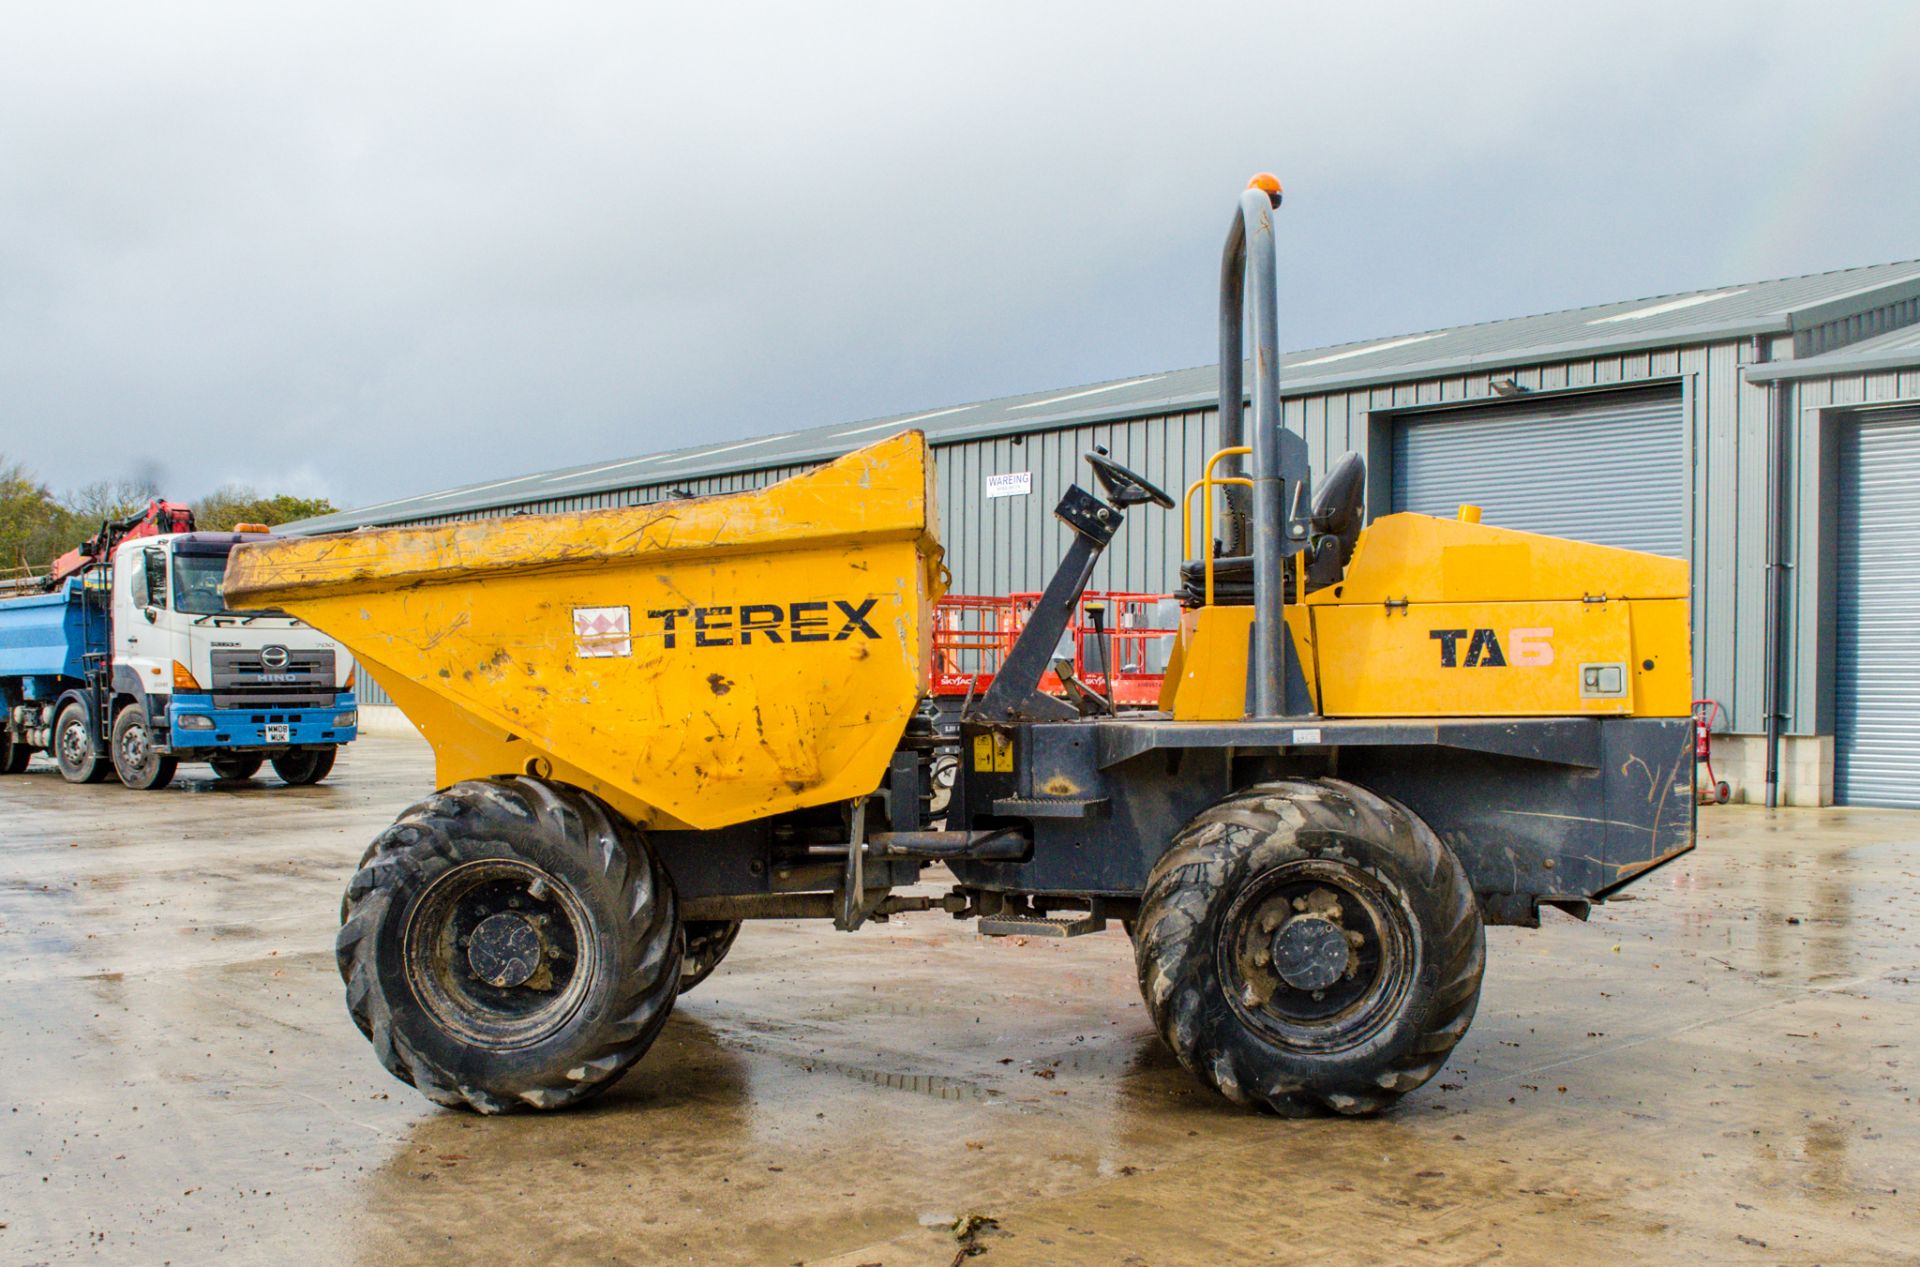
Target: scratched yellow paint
(1442, 618)
(669, 697)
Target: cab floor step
(1074, 925)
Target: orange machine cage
(972, 635)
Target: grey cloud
(371, 250)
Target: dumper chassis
(1305, 880)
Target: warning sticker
(993, 753)
(599, 632)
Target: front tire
(304, 768)
(237, 768)
(1308, 944)
(73, 749)
(140, 765)
(510, 943)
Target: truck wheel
(14, 755)
(1309, 943)
(510, 943)
(708, 941)
(300, 769)
(73, 747)
(236, 768)
(140, 765)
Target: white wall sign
(1013, 484)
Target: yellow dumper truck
(653, 724)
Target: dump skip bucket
(697, 663)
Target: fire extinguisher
(1713, 789)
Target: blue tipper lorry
(126, 660)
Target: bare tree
(109, 499)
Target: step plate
(1037, 926)
(1050, 806)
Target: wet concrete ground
(1722, 1069)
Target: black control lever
(1014, 695)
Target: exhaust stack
(1278, 519)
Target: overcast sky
(368, 251)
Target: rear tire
(14, 755)
(510, 943)
(236, 769)
(139, 764)
(302, 769)
(708, 941)
(1309, 944)
(73, 748)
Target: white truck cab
(192, 680)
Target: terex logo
(769, 622)
(1531, 648)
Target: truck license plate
(279, 734)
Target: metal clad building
(1654, 423)
(1850, 426)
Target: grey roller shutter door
(1876, 759)
(1610, 469)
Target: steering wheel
(1124, 488)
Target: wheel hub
(1310, 952)
(1316, 953)
(504, 950)
(499, 952)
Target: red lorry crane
(157, 518)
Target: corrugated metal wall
(1002, 545)
(707, 486)
(368, 691)
(1605, 467)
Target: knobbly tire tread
(707, 943)
(1240, 837)
(627, 896)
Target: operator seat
(1339, 512)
